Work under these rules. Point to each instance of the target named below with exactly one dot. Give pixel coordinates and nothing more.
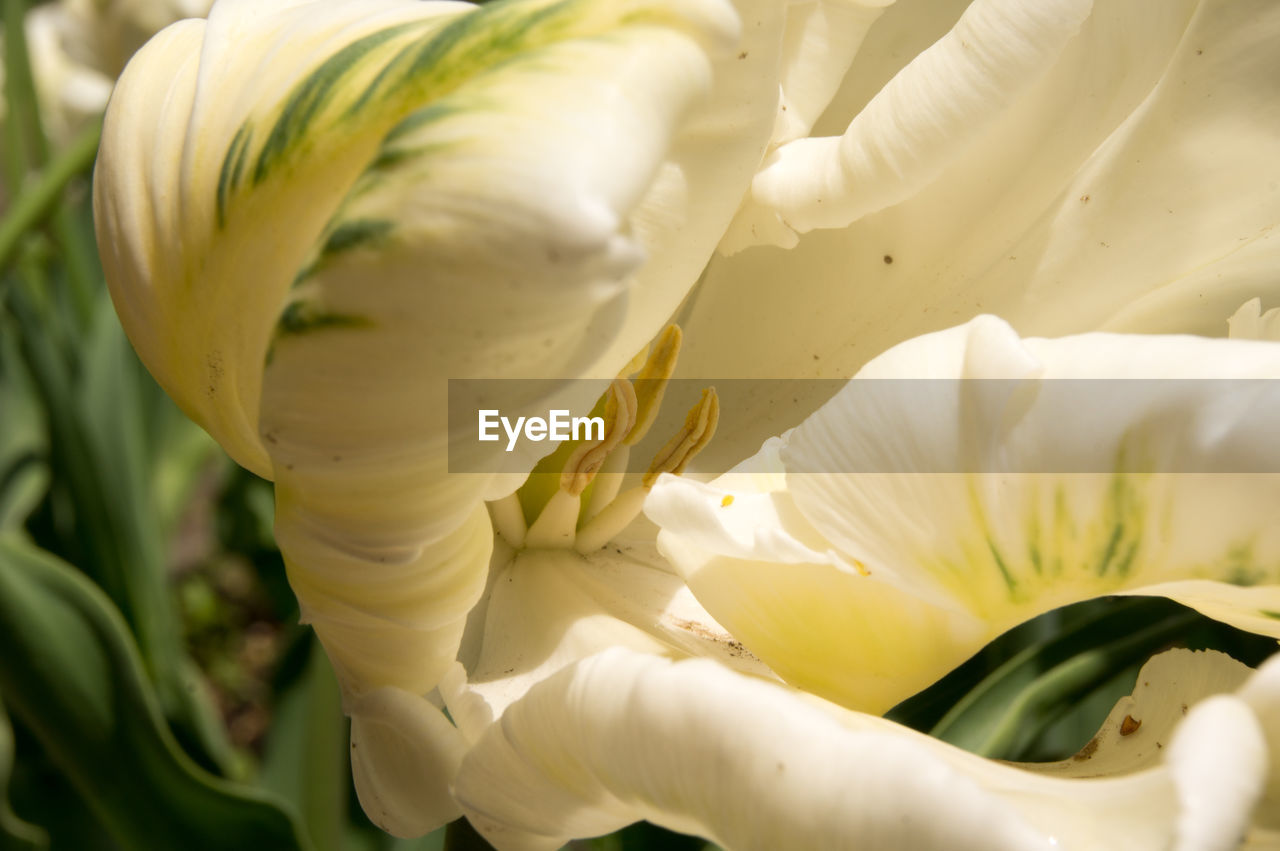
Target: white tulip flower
(312, 215)
(78, 48)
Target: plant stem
(41, 197)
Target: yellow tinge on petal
(969, 480)
(312, 214)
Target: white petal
(1051, 488)
(1250, 323)
(922, 517)
(821, 40)
(546, 610)
(389, 610)
(404, 753)
(198, 286)
(1219, 762)
(537, 621)
(747, 764)
(924, 119)
(821, 622)
(1262, 692)
(1143, 163)
(489, 223)
(1168, 685)
(696, 748)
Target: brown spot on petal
(1087, 751)
(1129, 725)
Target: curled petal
(313, 214)
(969, 480)
(546, 610)
(1250, 323)
(749, 764)
(923, 119)
(403, 754)
(1069, 212)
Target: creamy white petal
(1167, 687)
(71, 91)
(923, 516)
(384, 196)
(924, 118)
(821, 39)
(1160, 468)
(547, 609)
(1250, 323)
(1262, 692)
(748, 764)
(313, 214)
(819, 619)
(696, 748)
(1143, 163)
(537, 621)
(197, 271)
(459, 254)
(404, 752)
(1218, 786)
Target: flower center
(574, 499)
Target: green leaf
(73, 676)
(24, 141)
(1005, 713)
(99, 457)
(24, 476)
(306, 760)
(14, 832)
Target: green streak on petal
(1034, 543)
(421, 118)
(311, 95)
(472, 42)
(1055, 545)
(299, 318)
(390, 158)
(1124, 516)
(232, 168)
(1063, 526)
(1269, 614)
(1240, 568)
(1009, 581)
(343, 237)
(1108, 552)
(400, 72)
(225, 173)
(357, 233)
(468, 45)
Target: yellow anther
(636, 363)
(698, 429)
(862, 569)
(619, 419)
(651, 382)
(727, 501)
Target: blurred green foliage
(156, 690)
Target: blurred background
(156, 688)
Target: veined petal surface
(967, 480)
(693, 746)
(313, 214)
(1131, 183)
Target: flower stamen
(619, 418)
(698, 429)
